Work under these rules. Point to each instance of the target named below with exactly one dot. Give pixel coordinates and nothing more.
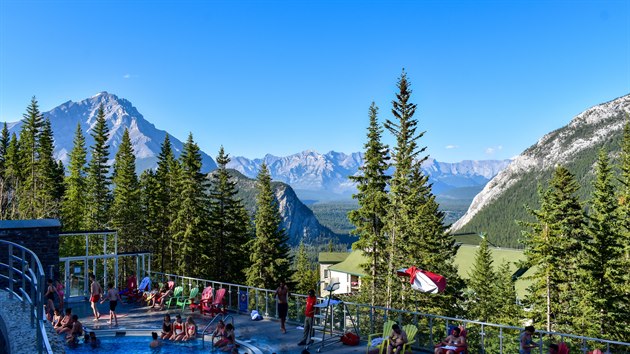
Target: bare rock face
(588, 130)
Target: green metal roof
(352, 264)
(332, 257)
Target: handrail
(27, 279)
(204, 332)
(397, 313)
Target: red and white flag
(423, 280)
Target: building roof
(332, 257)
(29, 224)
(352, 264)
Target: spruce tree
(74, 204)
(229, 223)
(4, 145)
(305, 276)
(126, 217)
(49, 191)
(4, 183)
(12, 178)
(164, 199)
(624, 216)
(603, 276)
(269, 252)
(481, 290)
(149, 206)
(368, 218)
(557, 232)
(190, 228)
(98, 180)
(32, 124)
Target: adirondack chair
(387, 329)
(216, 306)
(177, 293)
(411, 331)
(206, 298)
(184, 301)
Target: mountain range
(575, 146)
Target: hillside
(575, 146)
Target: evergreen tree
(369, 217)
(4, 145)
(12, 179)
(164, 200)
(74, 204)
(305, 276)
(4, 183)
(624, 216)
(125, 212)
(269, 252)
(190, 228)
(557, 232)
(175, 177)
(32, 124)
(50, 189)
(481, 290)
(505, 309)
(149, 206)
(98, 181)
(604, 278)
(229, 223)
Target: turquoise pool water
(138, 342)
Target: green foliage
(482, 287)
(98, 181)
(269, 252)
(50, 189)
(126, 216)
(29, 149)
(306, 274)
(229, 225)
(369, 218)
(74, 204)
(334, 215)
(11, 181)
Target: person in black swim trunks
(113, 296)
(283, 304)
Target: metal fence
(23, 277)
(482, 337)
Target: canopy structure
(423, 280)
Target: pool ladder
(205, 330)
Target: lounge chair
(176, 294)
(145, 285)
(206, 299)
(387, 330)
(216, 306)
(411, 331)
(184, 301)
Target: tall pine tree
(368, 218)
(126, 217)
(269, 252)
(481, 292)
(166, 177)
(229, 223)
(50, 189)
(5, 139)
(32, 124)
(74, 204)
(98, 180)
(12, 178)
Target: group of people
(178, 330)
(112, 295)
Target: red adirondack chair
(216, 306)
(206, 299)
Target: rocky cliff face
(573, 146)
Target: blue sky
(489, 77)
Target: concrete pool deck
(265, 334)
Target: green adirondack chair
(411, 331)
(184, 301)
(177, 293)
(387, 329)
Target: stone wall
(40, 236)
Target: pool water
(140, 344)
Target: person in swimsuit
(191, 329)
(65, 325)
(397, 339)
(178, 329)
(454, 340)
(283, 305)
(49, 296)
(527, 343)
(219, 332)
(56, 318)
(167, 327)
(113, 296)
(60, 293)
(230, 338)
(155, 342)
(95, 296)
(77, 329)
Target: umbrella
(423, 280)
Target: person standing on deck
(95, 295)
(113, 296)
(282, 294)
(309, 312)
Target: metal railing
(219, 317)
(23, 276)
(485, 337)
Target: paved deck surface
(265, 334)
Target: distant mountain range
(322, 177)
(574, 146)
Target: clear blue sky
(279, 77)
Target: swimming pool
(137, 341)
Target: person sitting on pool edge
(191, 329)
(178, 329)
(167, 327)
